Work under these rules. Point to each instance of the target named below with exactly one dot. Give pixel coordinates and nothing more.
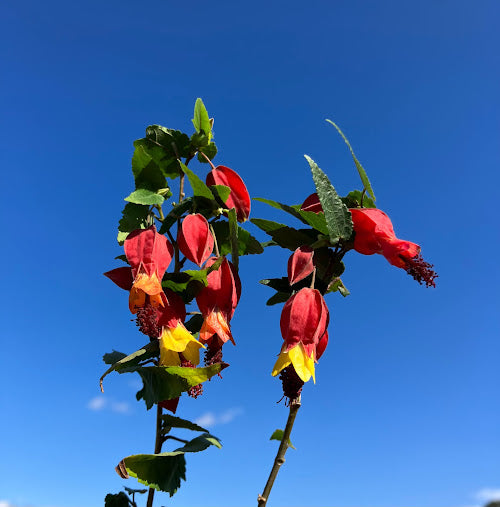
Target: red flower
(312, 204)
(300, 264)
(217, 302)
(195, 239)
(304, 320)
(375, 234)
(176, 342)
(239, 197)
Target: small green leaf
(210, 151)
(143, 196)
(134, 216)
(278, 435)
(220, 192)
(353, 200)
(118, 500)
(113, 357)
(285, 236)
(187, 283)
(338, 217)
(176, 214)
(162, 472)
(279, 297)
(337, 285)
(123, 258)
(201, 121)
(199, 188)
(167, 382)
(359, 167)
(279, 284)
(146, 166)
(131, 490)
(247, 244)
(193, 325)
(233, 236)
(171, 421)
(200, 443)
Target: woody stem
(280, 456)
(158, 444)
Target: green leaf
(186, 283)
(199, 188)
(146, 167)
(220, 192)
(162, 472)
(200, 443)
(167, 382)
(118, 500)
(166, 138)
(144, 196)
(175, 214)
(123, 258)
(210, 151)
(359, 167)
(284, 236)
(247, 244)
(119, 360)
(337, 285)
(278, 435)
(280, 284)
(338, 217)
(131, 490)
(171, 421)
(134, 216)
(201, 121)
(353, 200)
(233, 236)
(279, 297)
(193, 325)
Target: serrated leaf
(201, 121)
(172, 421)
(284, 236)
(233, 236)
(134, 216)
(278, 435)
(338, 217)
(167, 382)
(200, 443)
(144, 196)
(199, 187)
(119, 360)
(162, 472)
(247, 244)
(359, 167)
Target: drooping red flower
(239, 197)
(300, 264)
(312, 204)
(303, 323)
(149, 255)
(177, 345)
(195, 239)
(217, 302)
(375, 234)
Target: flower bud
(195, 239)
(300, 264)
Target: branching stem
(280, 456)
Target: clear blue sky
(406, 409)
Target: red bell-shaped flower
(304, 321)
(300, 264)
(375, 234)
(149, 255)
(217, 302)
(239, 197)
(195, 239)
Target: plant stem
(158, 444)
(280, 456)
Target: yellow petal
(282, 362)
(303, 364)
(192, 352)
(169, 357)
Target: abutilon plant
(184, 290)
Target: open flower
(149, 255)
(177, 345)
(195, 239)
(303, 323)
(217, 302)
(239, 197)
(375, 234)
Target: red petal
(312, 204)
(239, 197)
(320, 348)
(195, 239)
(151, 250)
(121, 276)
(170, 404)
(173, 310)
(300, 264)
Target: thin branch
(280, 456)
(158, 444)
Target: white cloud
(488, 494)
(209, 419)
(4, 503)
(101, 403)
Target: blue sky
(406, 409)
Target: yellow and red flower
(304, 321)
(217, 302)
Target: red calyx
(195, 239)
(312, 204)
(300, 264)
(239, 197)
